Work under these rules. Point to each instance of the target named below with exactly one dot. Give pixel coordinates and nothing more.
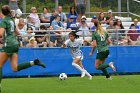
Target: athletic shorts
(102, 55)
(10, 50)
(80, 57)
(81, 9)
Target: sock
(0, 74)
(25, 65)
(78, 67)
(106, 73)
(87, 73)
(103, 66)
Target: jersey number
(102, 37)
(12, 26)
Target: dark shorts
(10, 50)
(81, 9)
(102, 55)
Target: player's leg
(79, 13)
(16, 67)
(3, 58)
(86, 73)
(100, 66)
(75, 63)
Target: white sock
(87, 73)
(78, 67)
(32, 63)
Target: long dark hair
(74, 10)
(74, 34)
(6, 10)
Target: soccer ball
(63, 76)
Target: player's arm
(93, 47)
(63, 46)
(2, 30)
(17, 32)
(75, 2)
(109, 41)
(86, 41)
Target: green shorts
(10, 50)
(102, 55)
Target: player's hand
(90, 54)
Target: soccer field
(119, 84)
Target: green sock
(106, 73)
(103, 66)
(0, 74)
(24, 65)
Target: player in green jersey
(10, 47)
(101, 41)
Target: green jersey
(9, 37)
(101, 41)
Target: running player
(10, 45)
(101, 41)
(74, 45)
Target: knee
(73, 63)
(97, 67)
(14, 69)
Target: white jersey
(75, 48)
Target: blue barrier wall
(58, 60)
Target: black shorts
(81, 9)
(102, 55)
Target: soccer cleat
(83, 74)
(109, 78)
(112, 66)
(37, 62)
(90, 77)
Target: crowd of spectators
(50, 29)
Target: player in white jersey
(74, 45)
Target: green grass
(119, 84)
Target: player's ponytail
(99, 28)
(74, 34)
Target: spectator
(136, 25)
(34, 20)
(94, 19)
(120, 34)
(132, 35)
(102, 18)
(112, 33)
(71, 24)
(52, 38)
(45, 16)
(29, 31)
(84, 29)
(111, 25)
(14, 7)
(41, 38)
(57, 24)
(109, 17)
(73, 13)
(52, 17)
(83, 18)
(81, 8)
(32, 43)
(21, 27)
(63, 17)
